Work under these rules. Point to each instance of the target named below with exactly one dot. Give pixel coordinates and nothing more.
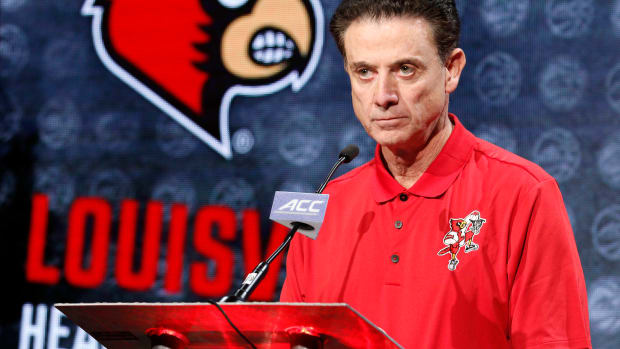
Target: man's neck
(407, 165)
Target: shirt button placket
(395, 272)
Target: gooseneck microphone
(252, 279)
(349, 153)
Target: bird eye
(232, 3)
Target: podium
(202, 325)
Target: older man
(443, 240)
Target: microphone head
(349, 153)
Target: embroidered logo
(462, 232)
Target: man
(397, 240)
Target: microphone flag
(307, 208)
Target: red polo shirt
(478, 253)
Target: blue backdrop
(542, 80)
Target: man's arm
(548, 300)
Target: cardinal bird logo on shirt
(190, 58)
(462, 232)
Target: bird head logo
(457, 224)
(190, 58)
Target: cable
(231, 324)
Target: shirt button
(395, 258)
(403, 197)
(398, 224)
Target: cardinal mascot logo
(462, 233)
(190, 58)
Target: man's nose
(386, 93)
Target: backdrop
(141, 142)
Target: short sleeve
(548, 299)
(292, 288)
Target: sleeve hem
(557, 344)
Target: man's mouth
(388, 118)
(389, 123)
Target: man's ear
(454, 66)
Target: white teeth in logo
(272, 47)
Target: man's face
(398, 81)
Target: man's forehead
(409, 22)
(398, 37)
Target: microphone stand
(253, 278)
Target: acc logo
(190, 58)
(296, 205)
(462, 232)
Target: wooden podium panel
(123, 325)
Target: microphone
(349, 153)
(252, 279)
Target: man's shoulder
(505, 163)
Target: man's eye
(364, 72)
(406, 70)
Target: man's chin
(389, 138)
(397, 140)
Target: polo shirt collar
(438, 176)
